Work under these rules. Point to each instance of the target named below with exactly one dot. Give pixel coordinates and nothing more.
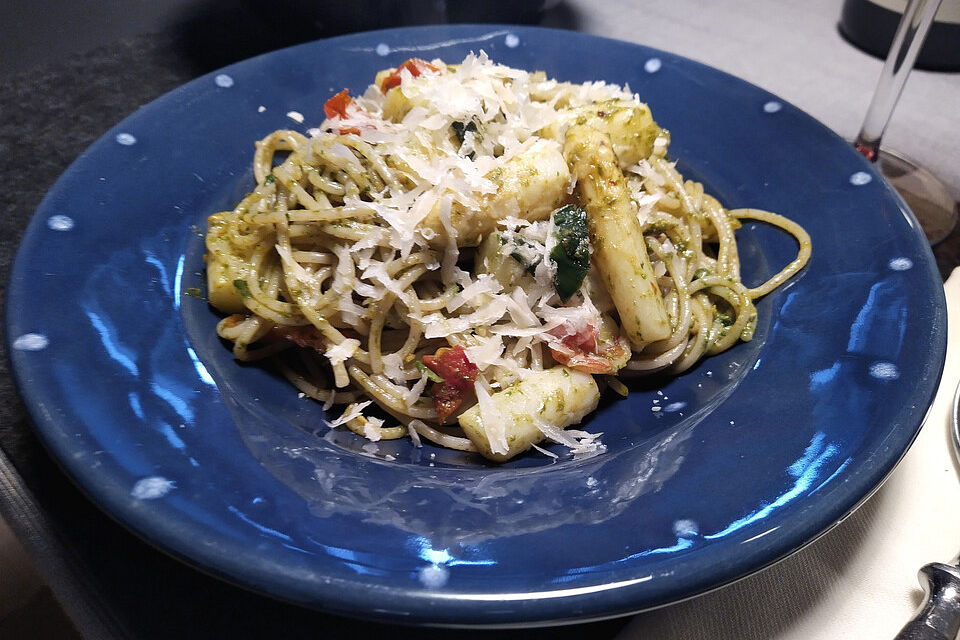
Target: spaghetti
(470, 247)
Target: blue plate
(707, 477)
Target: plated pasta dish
(469, 253)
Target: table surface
(59, 95)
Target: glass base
(928, 198)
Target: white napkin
(860, 579)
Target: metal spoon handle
(939, 616)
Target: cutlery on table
(939, 616)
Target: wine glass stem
(916, 21)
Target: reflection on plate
(706, 477)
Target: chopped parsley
(242, 288)
(431, 374)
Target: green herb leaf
(572, 252)
(460, 130)
(524, 251)
(242, 288)
(431, 374)
(270, 179)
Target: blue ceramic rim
(351, 598)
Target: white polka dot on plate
(860, 178)
(884, 371)
(152, 487)
(652, 65)
(223, 80)
(126, 139)
(511, 40)
(31, 342)
(382, 49)
(900, 264)
(60, 223)
(772, 107)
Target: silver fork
(939, 616)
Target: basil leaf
(572, 251)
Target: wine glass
(924, 193)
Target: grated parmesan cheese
(492, 420)
(416, 390)
(414, 436)
(371, 429)
(340, 352)
(579, 442)
(486, 353)
(549, 454)
(349, 413)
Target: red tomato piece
(458, 375)
(415, 66)
(336, 107)
(451, 363)
(446, 400)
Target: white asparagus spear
(619, 252)
(558, 397)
